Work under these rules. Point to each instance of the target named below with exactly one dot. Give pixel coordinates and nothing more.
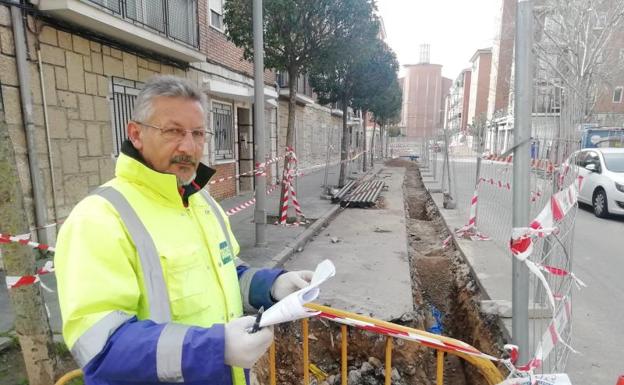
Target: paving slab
(370, 255)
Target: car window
(593, 158)
(614, 162)
(580, 158)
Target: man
(150, 288)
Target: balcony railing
(303, 86)
(175, 19)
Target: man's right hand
(243, 349)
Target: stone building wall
(313, 125)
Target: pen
(256, 325)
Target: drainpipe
(46, 122)
(29, 126)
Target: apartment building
(502, 60)
(424, 94)
(458, 100)
(479, 87)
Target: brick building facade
(479, 86)
(422, 99)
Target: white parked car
(602, 179)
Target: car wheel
(599, 204)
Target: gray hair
(164, 85)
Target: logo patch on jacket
(224, 250)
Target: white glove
(290, 282)
(243, 349)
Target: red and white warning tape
(259, 170)
(538, 164)
(249, 203)
(550, 338)
(24, 240)
(456, 346)
(535, 195)
(469, 231)
(14, 282)
(497, 183)
(521, 246)
(289, 193)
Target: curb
(303, 238)
(505, 332)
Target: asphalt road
(598, 310)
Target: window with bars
(124, 93)
(223, 127)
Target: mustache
(185, 159)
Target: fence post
(388, 361)
(440, 368)
(521, 184)
(343, 354)
(306, 351)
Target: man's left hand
(290, 282)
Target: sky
(455, 29)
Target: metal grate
(223, 131)
(124, 93)
(176, 19)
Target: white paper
(291, 308)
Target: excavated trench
(445, 300)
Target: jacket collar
(133, 167)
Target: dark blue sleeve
(260, 288)
(130, 354)
(241, 269)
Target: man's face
(179, 156)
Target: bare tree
(574, 47)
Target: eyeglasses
(178, 134)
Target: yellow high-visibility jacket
(129, 317)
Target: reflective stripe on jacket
(145, 299)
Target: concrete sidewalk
(490, 265)
(283, 241)
(369, 249)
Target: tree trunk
(382, 140)
(290, 129)
(344, 146)
(372, 146)
(364, 162)
(31, 320)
